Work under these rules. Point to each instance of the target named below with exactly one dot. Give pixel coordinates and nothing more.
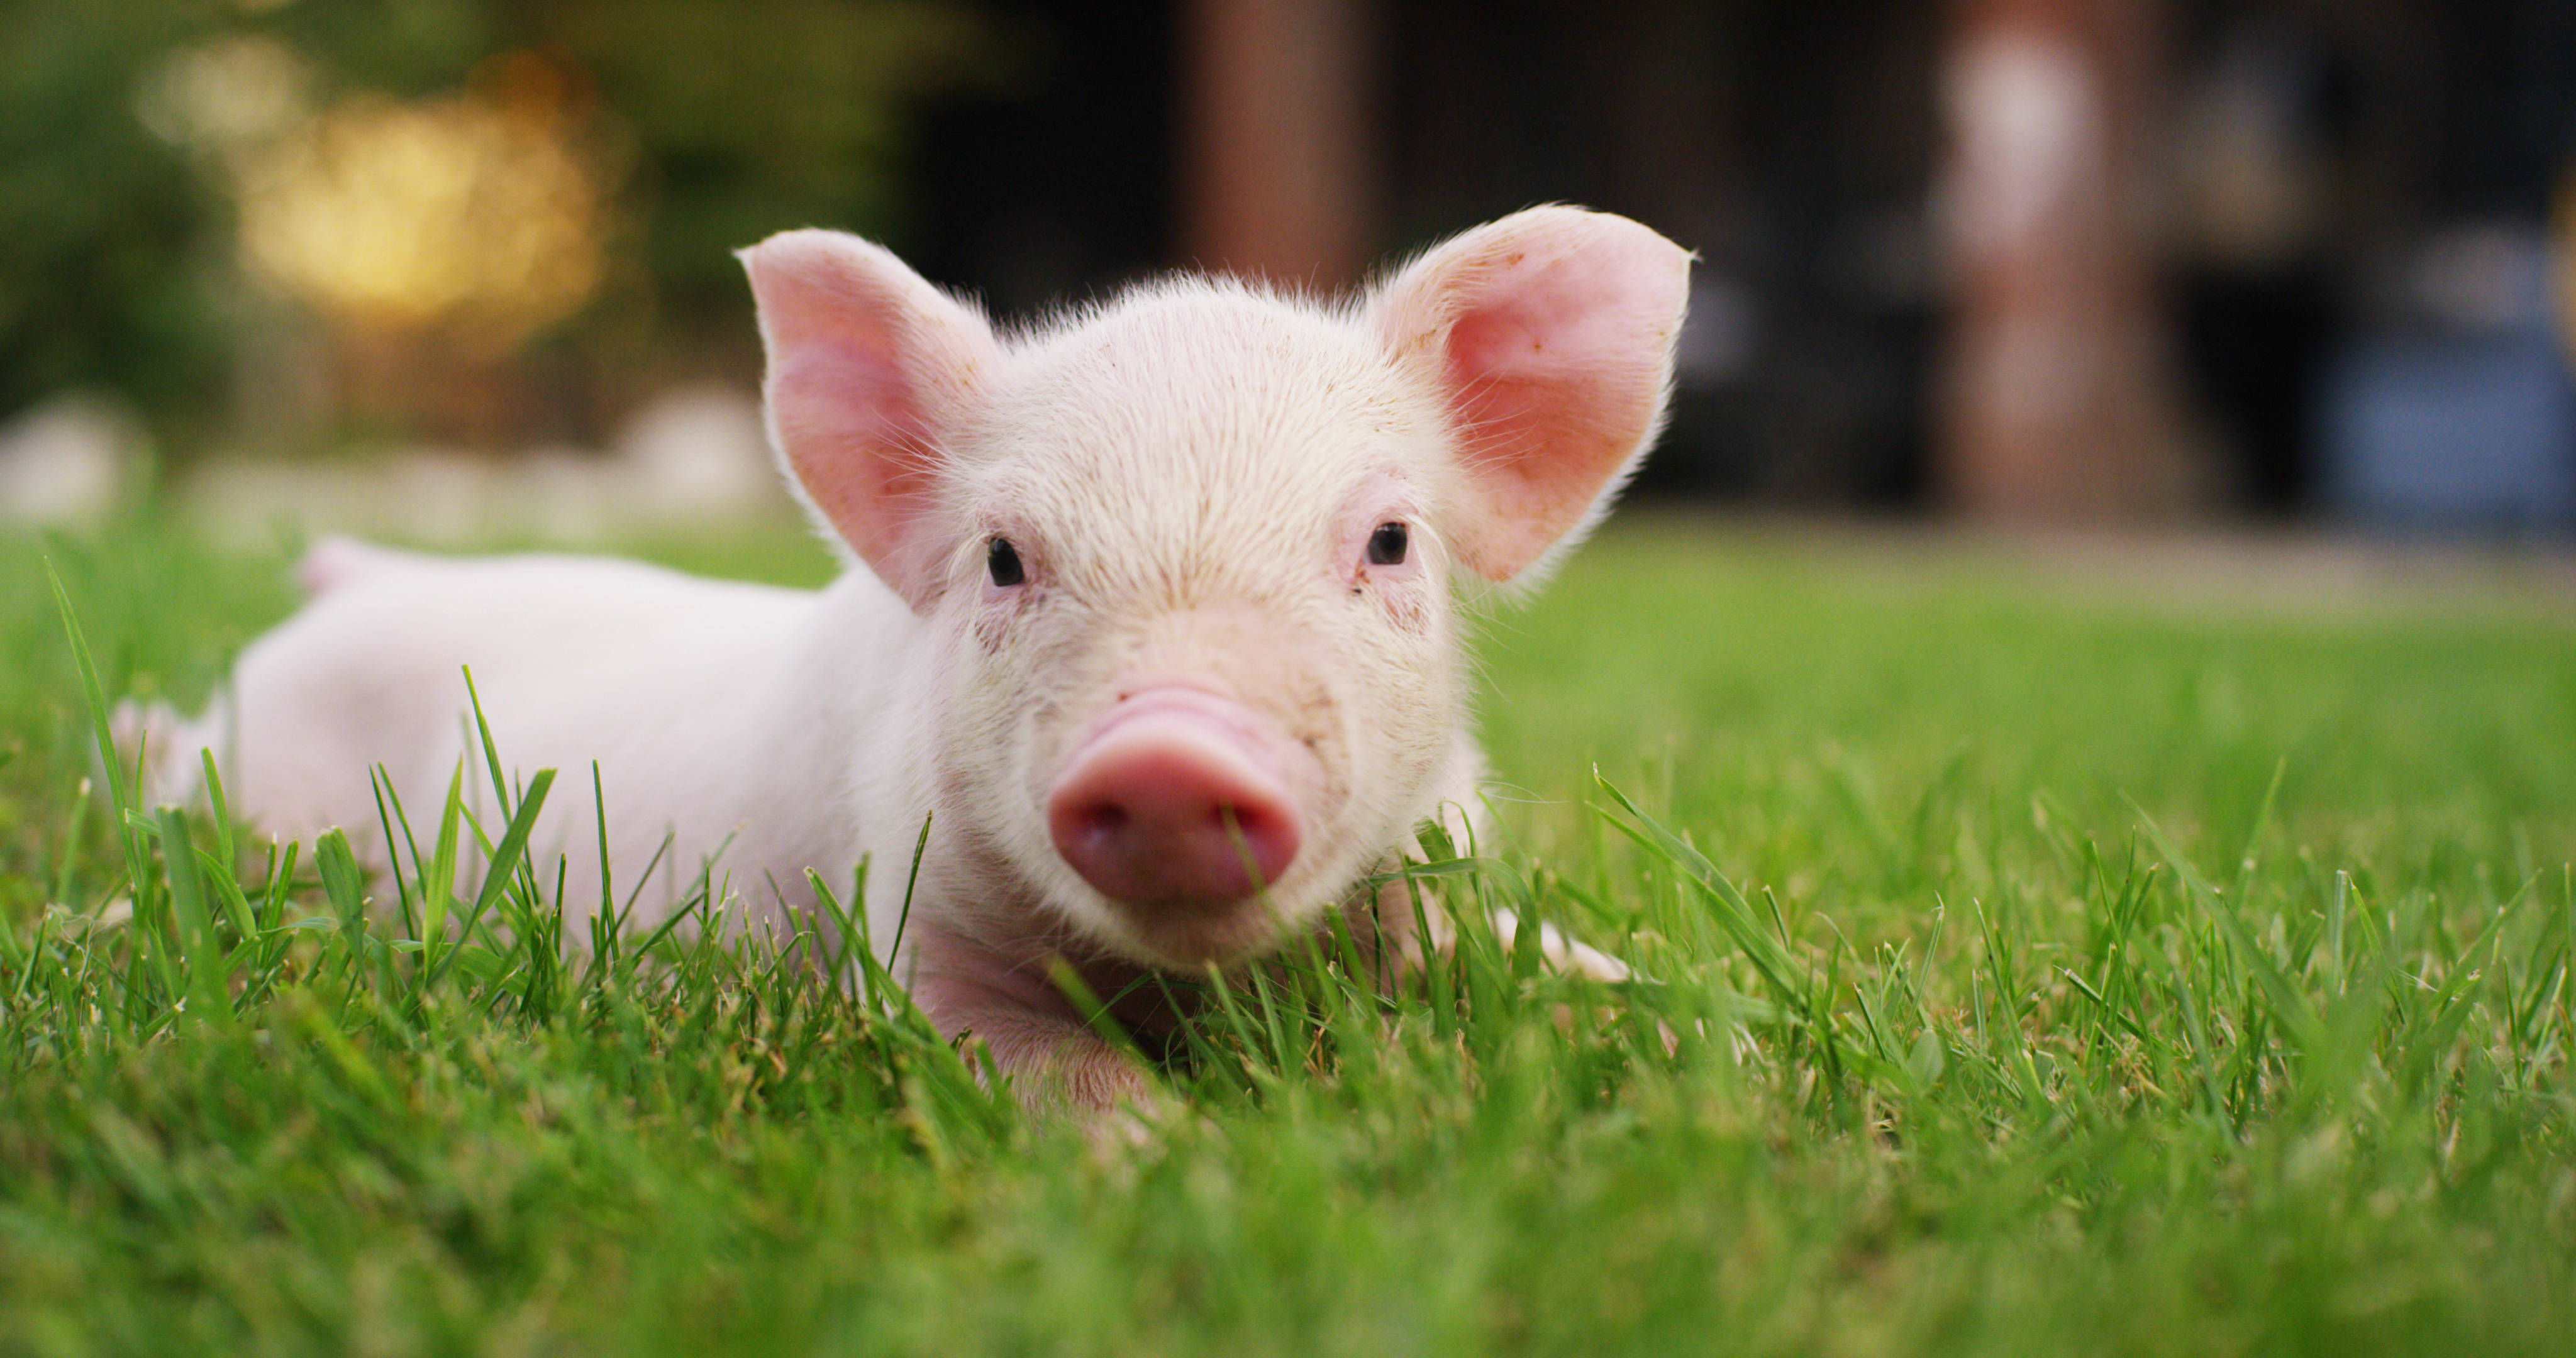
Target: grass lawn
(2028, 965)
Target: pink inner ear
(854, 431)
(1547, 429)
(1558, 349)
(868, 367)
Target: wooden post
(1275, 156)
(2058, 396)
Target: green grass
(2031, 967)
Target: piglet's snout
(1176, 798)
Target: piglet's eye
(1388, 545)
(1003, 560)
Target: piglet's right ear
(870, 369)
(1550, 335)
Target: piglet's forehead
(1222, 380)
(1181, 418)
(1188, 540)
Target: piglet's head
(1187, 557)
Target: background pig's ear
(870, 368)
(1550, 334)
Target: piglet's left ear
(1549, 334)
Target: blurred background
(460, 267)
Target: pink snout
(1178, 798)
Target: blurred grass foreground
(2031, 964)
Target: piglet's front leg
(1054, 1061)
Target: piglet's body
(1151, 616)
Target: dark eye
(1003, 560)
(1387, 545)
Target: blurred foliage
(103, 229)
(713, 125)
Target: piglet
(1149, 614)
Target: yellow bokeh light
(473, 213)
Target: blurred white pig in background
(691, 457)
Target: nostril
(1242, 827)
(1091, 830)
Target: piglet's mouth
(1179, 802)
